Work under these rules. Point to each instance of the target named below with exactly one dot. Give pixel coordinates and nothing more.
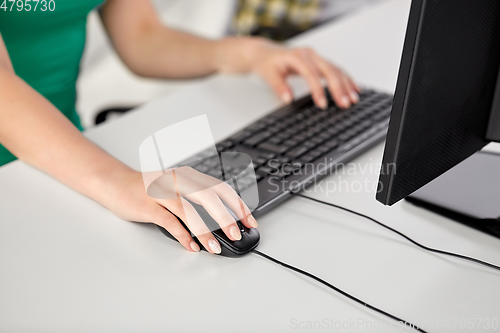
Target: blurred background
(105, 83)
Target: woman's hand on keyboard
(275, 63)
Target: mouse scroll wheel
(240, 225)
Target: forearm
(151, 49)
(168, 53)
(36, 132)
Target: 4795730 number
(28, 5)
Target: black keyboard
(300, 143)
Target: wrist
(108, 181)
(237, 54)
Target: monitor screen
(444, 94)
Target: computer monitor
(447, 101)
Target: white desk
(68, 265)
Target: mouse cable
(340, 291)
(477, 261)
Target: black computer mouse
(249, 237)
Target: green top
(45, 41)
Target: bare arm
(36, 132)
(150, 49)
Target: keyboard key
(241, 136)
(332, 144)
(270, 120)
(316, 130)
(266, 170)
(228, 144)
(202, 168)
(366, 124)
(322, 126)
(309, 133)
(356, 118)
(334, 130)
(316, 153)
(325, 135)
(211, 162)
(280, 174)
(274, 140)
(359, 129)
(258, 138)
(267, 156)
(299, 128)
(323, 149)
(300, 137)
(229, 169)
(216, 173)
(299, 116)
(291, 142)
(317, 140)
(307, 158)
(256, 127)
(243, 184)
(347, 135)
(233, 172)
(346, 123)
(273, 163)
(283, 159)
(282, 136)
(280, 126)
(311, 122)
(259, 161)
(288, 169)
(299, 151)
(273, 130)
(273, 148)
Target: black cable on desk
(340, 291)
(477, 261)
(357, 300)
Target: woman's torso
(45, 41)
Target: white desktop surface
(69, 265)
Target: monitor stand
(468, 193)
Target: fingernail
(252, 221)
(214, 246)
(235, 232)
(345, 101)
(322, 103)
(286, 97)
(354, 97)
(194, 247)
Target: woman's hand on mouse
(125, 195)
(274, 63)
